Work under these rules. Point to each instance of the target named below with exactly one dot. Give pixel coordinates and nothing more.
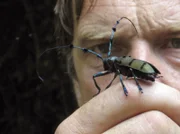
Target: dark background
(29, 106)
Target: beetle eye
(174, 43)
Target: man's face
(157, 41)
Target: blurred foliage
(28, 105)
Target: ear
(77, 92)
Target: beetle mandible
(124, 65)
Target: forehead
(132, 8)
(147, 15)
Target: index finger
(112, 107)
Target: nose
(144, 50)
(141, 49)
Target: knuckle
(157, 120)
(62, 129)
(69, 126)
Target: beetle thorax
(109, 63)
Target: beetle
(124, 65)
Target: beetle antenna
(66, 46)
(113, 32)
(72, 46)
(89, 51)
(58, 47)
(49, 49)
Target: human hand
(157, 110)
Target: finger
(112, 107)
(152, 122)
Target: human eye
(117, 49)
(171, 50)
(174, 43)
(102, 48)
(92, 59)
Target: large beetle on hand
(125, 65)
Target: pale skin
(157, 110)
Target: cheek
(86, 83)
(171, 75)
(171, 80)
(85, 79)
(171, 69)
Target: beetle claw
(141, 90)
(125, 91)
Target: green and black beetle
(125, 65)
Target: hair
(64, 27)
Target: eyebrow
(102, 35)
(85, 41)
(94, 29)
(174, 28)
(94, 33)
(101, 29)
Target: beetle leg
(124, 88)
(98, 75)
(121, 80)
(158, 76)
(128, 77)
(111, 81)
(137, 83)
